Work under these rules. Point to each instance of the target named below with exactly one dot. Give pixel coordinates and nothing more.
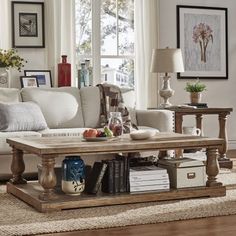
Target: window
(105, 36)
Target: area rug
(17, 218)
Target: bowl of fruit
(97, 134)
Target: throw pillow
(22, 116)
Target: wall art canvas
(202, 37)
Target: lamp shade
(167, 60)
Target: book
(148, 177)
(149, 182)
(108, 179)
(149, 188)
(117, 175)
(146, 170)
(198, 105)
(123, 170)
(95, 177)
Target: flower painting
(202, 37)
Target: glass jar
(73, 175)
(115, 123)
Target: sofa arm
(163, 120)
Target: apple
(90, 133)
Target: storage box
(184, 172)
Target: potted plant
(195, 90)
(9, 59)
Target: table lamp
(168, 60)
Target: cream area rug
(17, 218)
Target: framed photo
(202, 37)
(28, 81)
(28, 25)
(43, 77)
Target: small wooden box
(184, 172)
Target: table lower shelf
(29, 193)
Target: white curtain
(60, 40)
(146, 38)
(5, 27)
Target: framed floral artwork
(202, 37)
(28, 24)
(43, 77)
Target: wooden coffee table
(44, 197)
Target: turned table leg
(222, 134)
(212, 167)
(178, 129)
(223, 160)
(199, 123)
(48, 178)
(17, 167)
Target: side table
(199, 112)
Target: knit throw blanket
(112, 101)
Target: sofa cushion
(21, 116)
(71, 132)
(90, 101)
(9, 95)
(5, 148)
(61, 106)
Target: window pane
(83, 24)
(118, 71)
(126, 26)
(108, 27)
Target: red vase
(64, 72)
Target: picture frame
(28, 81)
(204, 57)
(44, 78)
(28, 24)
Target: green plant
(195, 87)
(11, 59)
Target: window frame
(96, 56)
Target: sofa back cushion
(9, 95)
(90, 101)
(61, 107)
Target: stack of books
(148, 178)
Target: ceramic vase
(73, 175)
(195, 97)
(64, 72)
(3, 77)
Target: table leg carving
(178, 129)
(199, 122)
(222, 134)
(17, 167)
(212, 167)
(48, 178)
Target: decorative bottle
(64, 72)
(73, 175)
(83, 76)
(115, 123)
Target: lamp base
(166, 92)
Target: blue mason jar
(73, 175)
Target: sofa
(67, 111)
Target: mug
(191, 130)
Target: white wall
(36, 57)
(220, 93)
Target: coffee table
(44, 197)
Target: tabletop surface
(67, 145)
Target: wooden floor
(217, 226)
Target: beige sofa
(67, 111)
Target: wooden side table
(199, 112)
